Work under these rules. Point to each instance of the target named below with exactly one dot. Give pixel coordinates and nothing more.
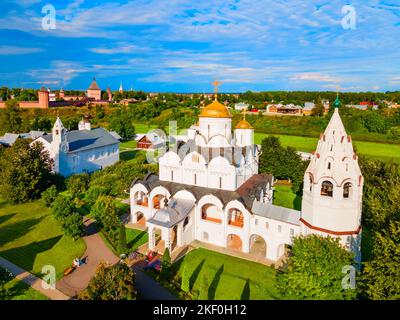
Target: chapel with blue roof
(79, 151)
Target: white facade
(212, 199)
(82, 150)
(333, 186)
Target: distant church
(78, 151)
(208, 189)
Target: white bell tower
(333, 184)
(59, 144)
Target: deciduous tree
(381, 275)
(111, 283)
(25, 171)
(314, 270)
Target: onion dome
(243, 124)
(337, 103)
(215, 110)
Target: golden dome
(215, 110)
(243, 124)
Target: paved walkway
(96, 252)
(33, 281)
(149, 288)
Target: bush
(166, 264)
(73, 225)
(94, 192)
(78, 184)
(122, 246)
(62, 207)
(49, 195)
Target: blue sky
(182, 46)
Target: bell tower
(333, 184)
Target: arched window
(329, 166)
(327, 189)
(220, 182)
(195, 179)
(172, 175)
(347, 190)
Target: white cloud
(312, 76)
(13, 50)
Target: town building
(78, 151)
(241, 106)
(209, 190)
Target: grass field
(18, 290)
(218, 276)
(285, 197)
(131, 144)
(371, 150)
(135, 238)
(32, 238)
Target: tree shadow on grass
(6, 217)
(12, 232)
(18, 289)
(246, 291)
(214, 283)
(136, 239)
(25, 256)
(195, 274)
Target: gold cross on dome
(216, 84)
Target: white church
(208, 189)
(82, 150)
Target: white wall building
(78, 151)
(241, 106)
(209, 189)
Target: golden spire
(216, 84)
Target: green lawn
(218, 276)
(135, 238)
(143, 128)
(32, 238)
(131, 144)
(285, 197)
(372, 150)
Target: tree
(122, 122)
(314, 270)
(122, 246)
(25, 171)
(62, 207)
(49, 195)
(318, 110)
(166, 264)
(78, 184)
(111, 283)
(65, 212)
(381, 196)
(283, 163)
(10, 117)
(94, 192)
(73, 225)
(105, 212)
(381, 275)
